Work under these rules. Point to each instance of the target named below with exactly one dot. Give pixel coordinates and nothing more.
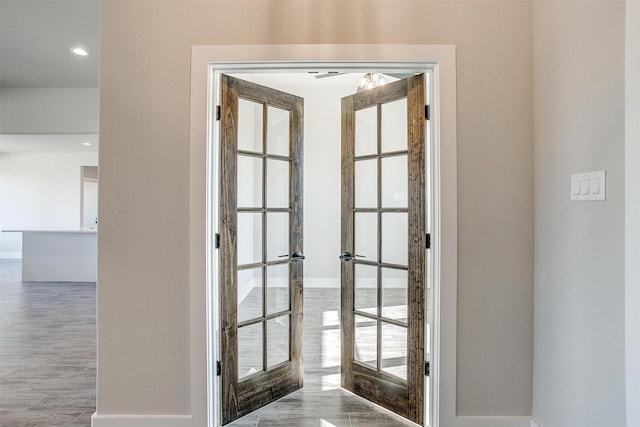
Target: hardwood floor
(48, 361)
(47, 351)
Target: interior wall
(632, 211)
(39, 191)
(579, 377)
(49, 110)
(144, 161)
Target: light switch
(584, 186)
(575, 186)
(588, 186)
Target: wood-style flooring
(48, 361)
(47, 351)
(321, 402)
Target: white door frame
(206, 61)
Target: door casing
(437, 60)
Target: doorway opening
(380, 182)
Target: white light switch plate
(588, 186)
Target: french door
(384, 245)
(260, 245)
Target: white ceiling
(35, 41)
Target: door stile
(417, 246)
(347, 241)
(228, 250)
(296, 128)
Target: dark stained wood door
(384, 246)
(260, 245)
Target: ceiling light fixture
(79, 51)
(86, 143)
(371, 80)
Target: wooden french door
(260, 245)
(384, 245)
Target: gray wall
(579, 374)
(143, 264)
(49, 110)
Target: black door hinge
(428, 241)
(217, 242)
(218, 368)
(427, 112)
(218, 112)
(427, 369)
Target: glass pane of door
(249, 294)
(250, 119)
(277, 341)
(366, 184)
(249, 350)
(277, 288)
(249, 181)
(395, 229)
(394, 126)
(394, 294)
(277, 131)
(249, 238)
(366, 341)
(394, 350)
(366, 132)
(366, 289)
(277, 183)
(277, 236)
(394, 181)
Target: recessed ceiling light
(79, 51)
(86, 143)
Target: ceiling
(35, 41)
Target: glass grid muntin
(379, 210)
(264, 264)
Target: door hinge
(427, 112)
(217, 242)
(427, 369)
(428, 241)
(218, 112)
(218, 368)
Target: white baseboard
(464, 421)
(141, 420)
(11, 255)
(535, 423)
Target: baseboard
(140, 420)
(492, 421)
(11, 255)
(535, 423)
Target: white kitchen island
(59, 255)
